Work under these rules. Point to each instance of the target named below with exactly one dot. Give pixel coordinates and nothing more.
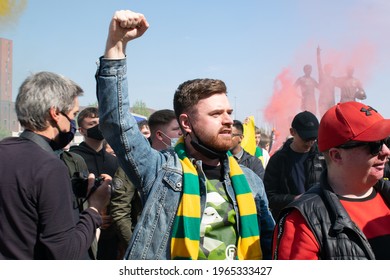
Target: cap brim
(378, 131)
(308, 134)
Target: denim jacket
(158, 175)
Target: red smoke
(285, 101)
(283, 106)
(351, 35)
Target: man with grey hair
(37, 219)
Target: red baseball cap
(351, 121)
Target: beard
(218, 142)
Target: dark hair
(190, 92)
(89, 112)
(238, 125)
(160, 118)
(142, 123)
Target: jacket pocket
(174, 180)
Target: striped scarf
(259, 154)
(186, 228)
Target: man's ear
(185, 124)
(335, 155)
(80, 129)
(158, 135)
(54, 114)
(292, 131)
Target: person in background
(242, 156)
(126, 204)
(77, 170)
(258, 151)
(199, 203)
(327, 85)
(264, 143)
(93, 151)
(251, 145)
(257, 135)
(346, 215)
(36, 211)
(262, 146)
(351, 89)
(307, 85)
(144, 128)
(164, 129)
(295, 167)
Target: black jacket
(37, 219)
(278, 180)
(97, 162)
(101, 163)
(252, 163)
(337, 235)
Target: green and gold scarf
(259, 154)
(186, 228)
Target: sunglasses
(375, 147)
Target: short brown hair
(160, 118)
(190, 92)
(89, 112)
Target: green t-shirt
(218, 237)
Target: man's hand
(100, 198)
(124, 27)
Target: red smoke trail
(282, 107)
(285, 101)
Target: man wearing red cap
(345, 216)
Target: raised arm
(125, 26)
(135, 155)
(319, 64)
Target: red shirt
(370, 214)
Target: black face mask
(64, 138)
(95, 133)
(203, 149)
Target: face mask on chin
(199, 146)
(95, 133)
(203, 149)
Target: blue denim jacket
(158, 175)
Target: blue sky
(246, 43)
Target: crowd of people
(181, 186)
